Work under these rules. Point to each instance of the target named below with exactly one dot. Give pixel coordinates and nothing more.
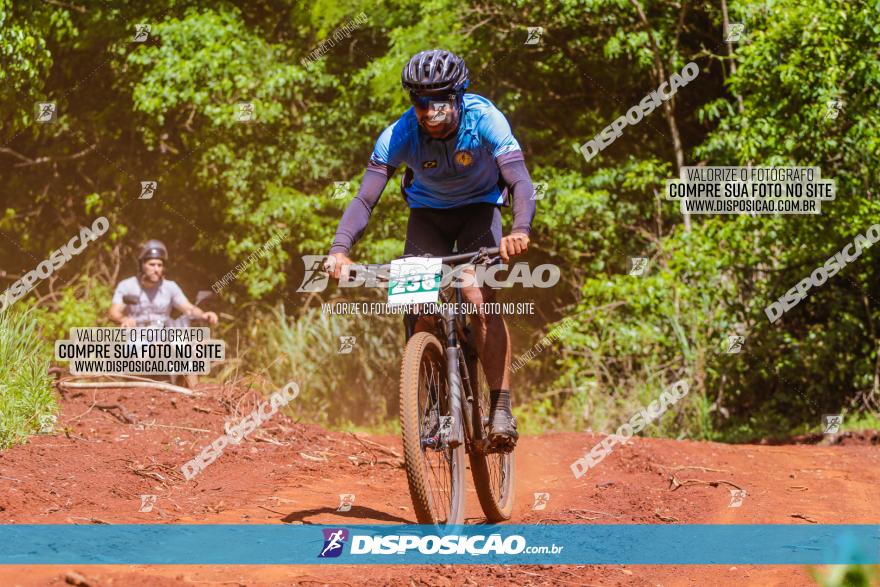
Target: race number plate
(414, 280)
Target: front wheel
(434, 471)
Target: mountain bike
(444, 409)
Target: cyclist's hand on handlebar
(334, 264)
(210, 318)
(128, 323)
(512, 245)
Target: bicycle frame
(460, 354)
(438, 432)
(453, 329)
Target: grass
(357, 389)
(25, 385)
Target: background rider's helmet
(152, 249)
(435, 72)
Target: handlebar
(133, 300)
(483, 256)
(475, 256)
(155, 323)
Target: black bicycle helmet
(435, 72)
(153, 249)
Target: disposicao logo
(334, 541)
(448, 544)
(315, 279)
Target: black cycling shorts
(433, 231)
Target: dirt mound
(113, 446)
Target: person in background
(155, 295)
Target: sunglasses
(425, 102)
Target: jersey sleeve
(392, 145)
(118, 293)
(496, 134)
(178, 298)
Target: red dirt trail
(96, 465)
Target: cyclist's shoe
(502, 424)
(502, 430)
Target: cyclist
(455, 145)
(156, 295)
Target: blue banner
(684, 544)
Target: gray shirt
(154, 304)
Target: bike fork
(453, 377)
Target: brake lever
(482, 258)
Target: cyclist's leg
(482, 228)
(429, 232)
(491, 336)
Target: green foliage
(24, 63)
(847, 576)
(165, 110)
(73, 307)
(643, 333)
(25, 385)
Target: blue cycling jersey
(451, 172)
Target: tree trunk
(739, 98)
(668, 105)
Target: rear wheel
(434, 471)
(493, 472)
